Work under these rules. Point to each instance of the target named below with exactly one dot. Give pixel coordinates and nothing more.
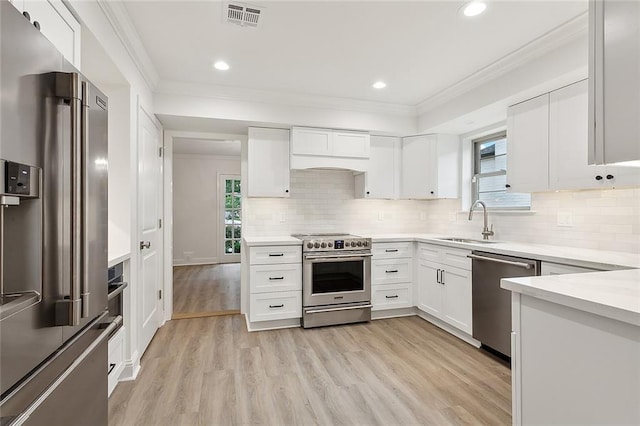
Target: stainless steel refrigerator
(54, 325)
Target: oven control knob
(359, 243)
(330, 244)
(366, 243)
(323, 245)
(309, 245)
(317, 245)
(353, 243)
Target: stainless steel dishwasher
(492, 304)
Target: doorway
(207, 227)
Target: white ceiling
(196, 146)
(338, 48)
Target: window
(490, 174)
(232, 216)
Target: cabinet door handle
(391, 250)
(392, 297)
(438, 276)
(598, 177)
(276, 278)
(507, 186)
(392, 271)
(276, 306)
(442, 276)
(276, 254)
(286, 190)
(609, 177)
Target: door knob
(145, 245)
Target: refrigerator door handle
(24, 416)
(76, 211)
(84, 253)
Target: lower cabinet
(392, 276)
(444, 291)
(275, 283)
(116, 359)
(392, 296)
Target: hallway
(206, 290)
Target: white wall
(197, 235)
(322, 201)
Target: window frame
(476, 175)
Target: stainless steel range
(336, 279)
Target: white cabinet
(528, 145)
(383, 178)
(614, 74)
(275, 283)
(430, 167)
(326, 148)
(57, 24)
(116, 359)
(268, 162)
(444, 286)
(550, 268)
(392, 276)
(547, 146)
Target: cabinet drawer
(456, 257)
(392, 296)
(275, 306)
(270, 278)
(389, 271)
(270, 255)
(115, 359)
(392, 250)
(444, 255)
(431, 253)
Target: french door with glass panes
(231, 202)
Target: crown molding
(121, 23)
(553, 39)
(242, 94)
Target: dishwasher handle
(506, 262)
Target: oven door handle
(342, 308)
(344, 257)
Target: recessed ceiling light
(221, 65)
(379, 85)
(473, 8)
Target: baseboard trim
(272, 325)
(449, 329)
(190, 315)
(393, 313)
(131, 369)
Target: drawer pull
(392, 271)
(391, 250)
(276, 278)
(276, 254)
(276, 306)
(392, 297)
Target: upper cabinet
(430, 167)
(614, 76)
(268, 162)
(325, 148)
(383, 178)
(528, 145)
(57, 24)
(548, 149)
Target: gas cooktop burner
(333, 242)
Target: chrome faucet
(486, 232)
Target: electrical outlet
(565, 219)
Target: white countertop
(589, 258)
(283, 240)
(115, 258)
(613, 294)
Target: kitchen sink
(466, 240)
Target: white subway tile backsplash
(323, 201)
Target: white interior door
(150, 235)
(230, 241)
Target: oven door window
(333, 277)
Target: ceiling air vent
(243, 14)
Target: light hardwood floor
(206, 288)
(401, 371)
